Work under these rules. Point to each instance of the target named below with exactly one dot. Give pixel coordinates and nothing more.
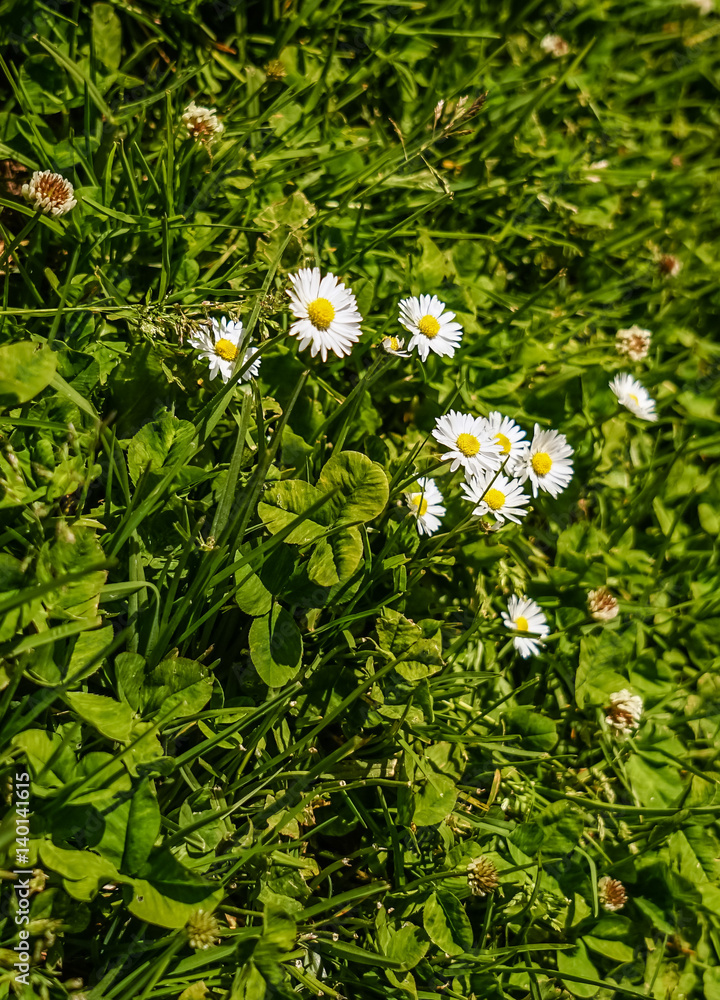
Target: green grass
(324, 796)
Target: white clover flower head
(202, 929)
(431, 326)
(51, 193)
(219, 345)
(202, 124)
(546, 463)
(634, 342)
(494, 493)
(611, 894)
(482, 876)
(669, 265)
(555, 45)
(468, 441)
(426, 506)
(395, 345)
(624, 712)
(526, 618)
(327, 317)
(602, 605)
(634, 397)
(511, 438)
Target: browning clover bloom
(635, 342)
(624, 712)
(203, 124)
(482, 876)
(555, 45)
(50, 193)
(611, 893)
(602, 605)
(203, 930)
(669, 265)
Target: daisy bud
(624, 712)
(612, 894)
(555, 45)
(602, 605)
(669, 266)
(49, 192)
(202, 929)
(203, 124)
(635, 342)
(482, 877)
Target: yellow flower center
(542, 463)
(421, 504)
(321, 313)
(504, 443)
(225, 349)
(494, 499)
(521, 624)
(634, 399)
(429, 327)
(468, 444)
(394, 344)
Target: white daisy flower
(219, 347)
(633, 396)
(496, 494)
(426, 506)
(395, 345)
(634, 341)
(469, 442)
(431, 327)
(326, 311)
(624, 712)
(50, 192)
(546, 463)
(511, 438)
(202, 124)
(525, 616)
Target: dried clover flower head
(203, 930)
(602, 605)
(624, 712)
(555, 45)
(612, 894)
(635, 342)
(274, 70)
(203, 124)
(482, 876)
(49, 192)
(669, 265)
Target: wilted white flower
(611, 893)
(496, 494)
(602, 605)
(546, 463)
(634, 397)
(202, 124)
(432, 328)
(482, 876)
(219, 346)
(49, 192)
(469, 442)
(624, 712)
(555, 45)
(326, 311)
(395, 345)
(426, 506)
(634, 341)
(525, 616)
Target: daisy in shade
(426, 506)
(327, 317)
(468, 441)
(496, 494)
(395, 345)
(432, 328)
(634, 397)
(525, 616)
(219, 346)
(511, 438)
(546, 463)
